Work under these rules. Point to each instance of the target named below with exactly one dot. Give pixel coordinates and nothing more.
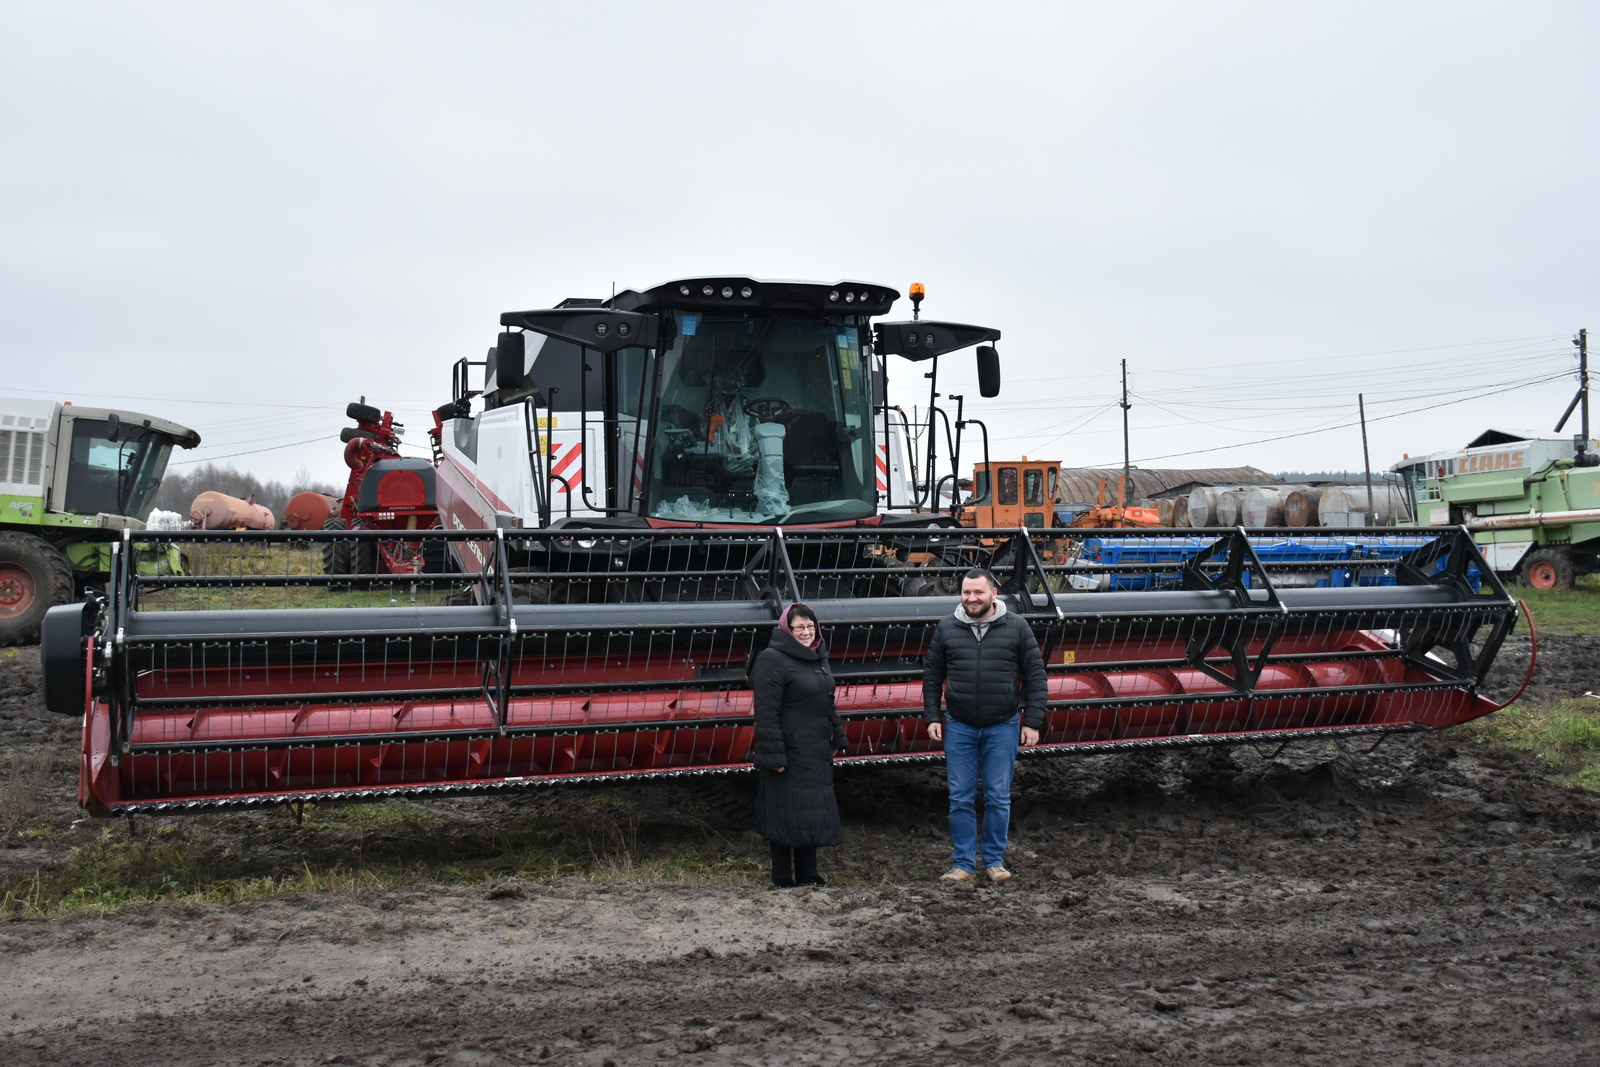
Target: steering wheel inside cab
(767, 408)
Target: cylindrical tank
(1164, 510)
(1300, 507)
(1202, 507)
(1230, 506)
(1262, 506)
(1180, 512)
(218, 511)
(1266, 505)
(1346, 505)
(308, 511)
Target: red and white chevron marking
(565, 463)
(883, 468)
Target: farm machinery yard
(1235, 864)
(726, 450)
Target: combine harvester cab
(730, 465)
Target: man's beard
(977, 612)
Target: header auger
(626, 553)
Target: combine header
(632, 497)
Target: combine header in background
(634, 493)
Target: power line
(1347, 425)
(252, 452)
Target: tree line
(180, 487)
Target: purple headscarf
(783, 624)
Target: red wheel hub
(1543, 575)
(16, 590)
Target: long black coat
(798, 729)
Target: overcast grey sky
(244, 216)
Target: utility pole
(1366, 461)
(1581, 439)
(1127, 462)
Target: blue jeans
(969, 750)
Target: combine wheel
(34, 576)
(1548, 568)
(336, 555)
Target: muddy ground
(1432, 901)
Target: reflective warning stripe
(563, 458)
(883, 468)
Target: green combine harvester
(71, 480)
(1531, 501)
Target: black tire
(354, 433)
(34, 577)
(1546, 568)
(363, 412)
(364, 558)
(336, 555)
(61, 637)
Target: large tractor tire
(1547, 568)
(337, 556)
(34, 577)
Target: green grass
(245, 563)
(1565, 611)
(1564, 736)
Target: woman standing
(797, 733)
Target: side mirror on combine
(113, 427)
(925, 340)
(988, 371)
(600, 329)
(510, 361)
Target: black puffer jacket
(798, 729)
(984, 682)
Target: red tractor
(386, 491)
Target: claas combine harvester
(630, 499)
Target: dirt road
(1430, 901)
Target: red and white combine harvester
(634, 493)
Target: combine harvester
(639, 487)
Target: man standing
(986, 665)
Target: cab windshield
(115, 477)
(763, 418)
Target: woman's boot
(805, 867)
(783, 866)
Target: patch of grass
(395, 816)
(1565, 735)
(635, 835)
(245, 564)
(19, 797)
(1566, 611)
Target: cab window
(1008, 485)
(1033, 488)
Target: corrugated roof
(1082, 484)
